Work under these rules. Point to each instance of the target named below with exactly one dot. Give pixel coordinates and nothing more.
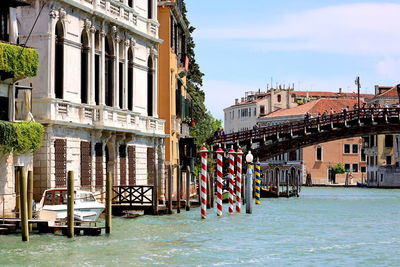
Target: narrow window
(151, 161)
(372, 138)
(347, 167)
(59, 61)
(97, 69)
(279, 98)
(84, 67)
(109, 72)
(388, 141)
(132, 164)
(319, 153)
(86, 164)
(355, 167)
(388, 160)
(150, 87)
(121, 85)
(355, 148)
(4, 36)
(122, 164)
(99, 164)
(347, 148)
(149, 9)
(363, 156)
(130, 79)
(130, 3)
(4, 102)
(363, 169)
(60, 161)
(262, 110)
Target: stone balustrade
(100, 117)
(118, 9)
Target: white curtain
(13, 26)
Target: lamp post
(249, 183)
(357, 81)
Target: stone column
(51, 53)
(154, 52)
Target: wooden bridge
(267, 142)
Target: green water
(324, 227)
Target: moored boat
(53, 205)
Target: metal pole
(30, 197)
(258, 182)
(249, 189)
(24, 209)
(70, 205)
(203, 186)
(188, 178)
(109, 181)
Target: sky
(319, 45)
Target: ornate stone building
(96, 92)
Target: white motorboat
(53, 205)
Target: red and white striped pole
(231, 179)
(203, 182)
(220, 153)
(239, 155)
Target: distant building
(383, 151)
(318, 159)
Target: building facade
(383, 150)
(14, 100)
(97, 92)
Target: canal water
(324, 227)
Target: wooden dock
(13, 225)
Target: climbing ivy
(19, 61)
(21, 137)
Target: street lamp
(249, 157)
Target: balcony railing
(53, 110)
(119, 10)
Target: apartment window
(59, 61)
(262, 110)
(150, 87)
(4, 108)
(130, 3)
(293, 155)
(372, 140)
(84, 66)
(388, 160)
(122, 165)
(4, 24)
(347, 167)
(363, 169)
(97, 69)
(319, 153)
(86, 164)
(109, 71)
(346, 148)
(60, 161)
(279, 98)
(388, 140)
(99, 164)
(363, 156)
(355, 148)
(355, 167)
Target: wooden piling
(208, 191)
(287, 184)
(212, 190)
(30, 197)
(24, 208)
(179, 189)
(188, 178)
(70, 204)
(108, 202)
(155, 190)
(297, 185)
(249, 189)
(278, 178)
(170, 182)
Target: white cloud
(366, 29)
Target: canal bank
(325, 226)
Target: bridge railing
(300, 125)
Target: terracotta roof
(389, 93)
(315, 107)
(330, 94)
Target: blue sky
(315, 44)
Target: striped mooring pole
(231, 179)
(220, 153)
(239, 155)
(258, 182)
(203, 185)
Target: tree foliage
(19, 61)
(338, 168)
(21, 137)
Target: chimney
(236, 101)
(340, 91)
(242, 99)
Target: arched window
(130, 79)
(97, 68)
(109, 72)
(59, 61)
(150, 87)
(279, 98)
(121, 94)
(84, 67)
(130, 3)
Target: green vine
(20, 62)
(21, 137)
